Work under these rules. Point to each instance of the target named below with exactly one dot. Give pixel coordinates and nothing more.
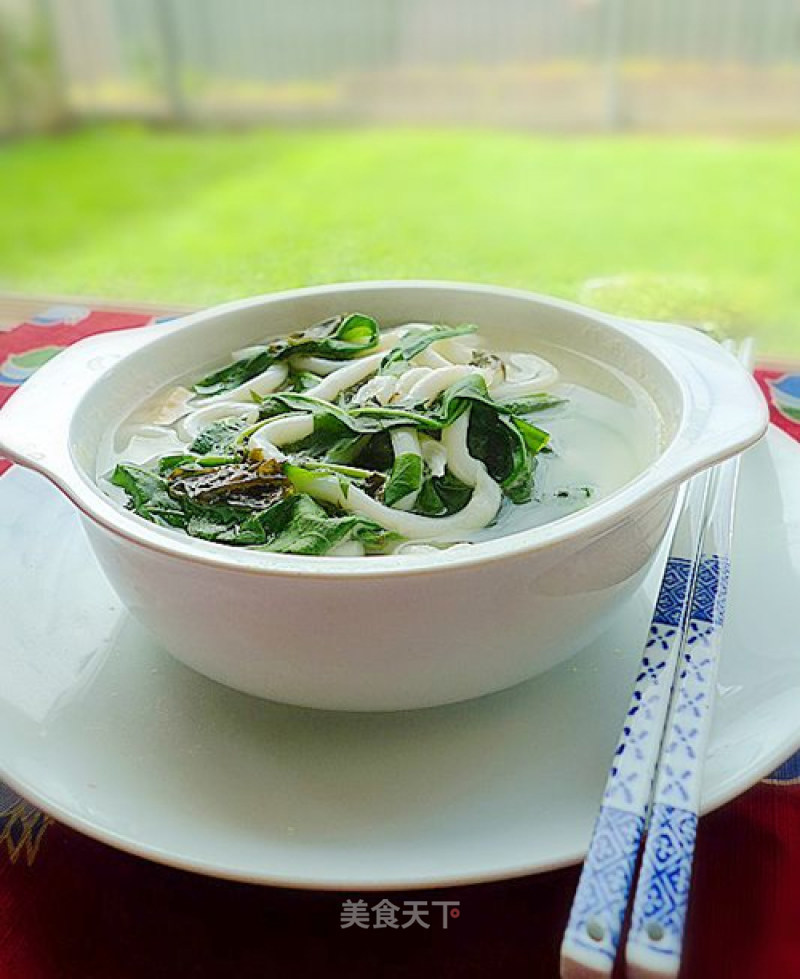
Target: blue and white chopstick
(689, 634)
(655, 939)
(592, 937)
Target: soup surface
(348, 440)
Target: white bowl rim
(668, 470)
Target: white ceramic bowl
(381, 633)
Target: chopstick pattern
(662, 896)
(597, 913)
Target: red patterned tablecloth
(74, 908)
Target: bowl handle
(33, 430)
(725, 411)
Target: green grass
(701, 230)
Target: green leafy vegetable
(224, 525)
(531, 404)
(535, 439)
(441, 496)
(417, 340)
(302, 380)
(148, 495)
(168, 464)
(328, 482)
(499, 444)
(355, 472)
(309, 529)
(405, 478)
(219, 437)
(235, 374)
(340, 338)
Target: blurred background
(642, 156)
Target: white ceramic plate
(107, 733)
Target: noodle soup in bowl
(380, 539)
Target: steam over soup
(346, 439)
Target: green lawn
(700, 229)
